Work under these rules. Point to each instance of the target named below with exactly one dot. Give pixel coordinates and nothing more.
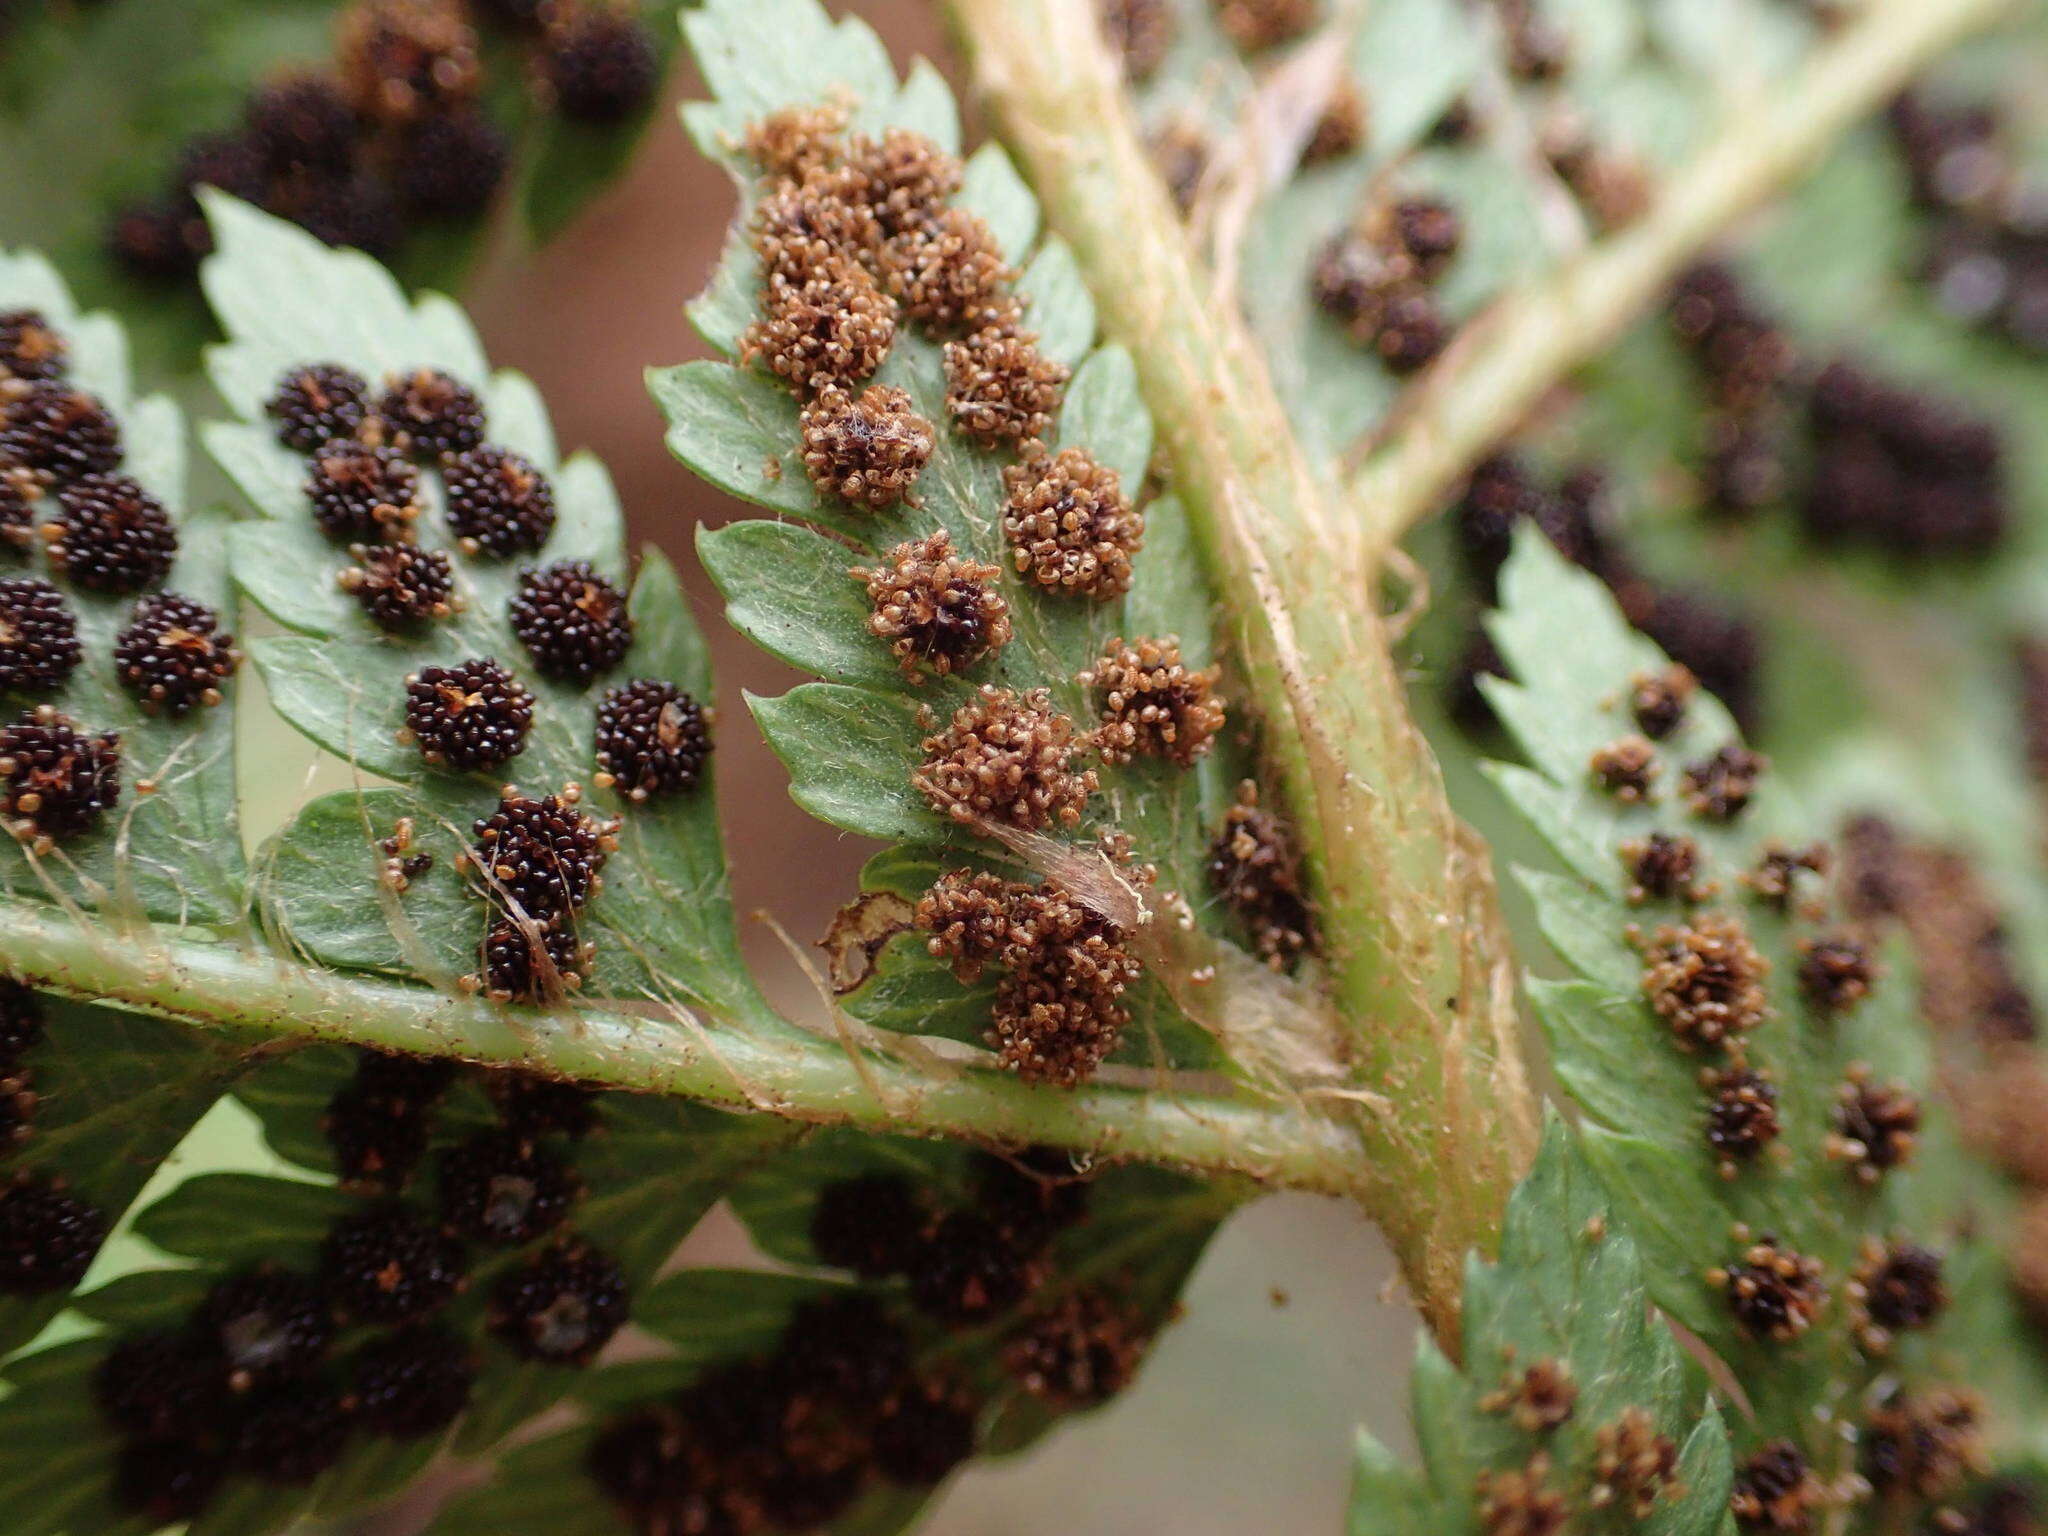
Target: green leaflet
(1568, 1290)
(1649, 83)
(1641, 1098)
(648, 1174)
(852, 740)
(662, 924)
(171, 855)
(96, 103)
(1144, 1233)
(115, 1093)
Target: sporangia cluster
(393, 135)
(938, 612)
(1377, 279)
(536, 860)
(375, 1332)
(1714, 647)
(1862, 461)
(1059, 1007)
(48, 1235)
(859, 1389)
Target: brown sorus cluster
(361, 491)
(1897, 1288)
(1255, 867)
(1775, 880)
(1627, 769)
(652, 739)
(1152, 705)
(1775, 1490)
(1662, 867)
(386, 1265)
(573, 622)
(32, 350)
(1376, 279)
(38, 636)
(51, 432)
(833, 327)
(1969, 981)
(1774, 1293)
(1633, 1466)
(1876, 1125)
(596, 62)
(1078, 1353)
(48, 1237)
(937, 612)
(1340, 128)
(870, 1225)
(401, 59)
(1742, 1116)
(1705, 980)
(1069, 524)
(110, 535)
(1522, 1502)
(796, 141)
(1141, 31)
(1719, 787)
(1747, 363)
(950, 276)
(544, 853)
(411, 1383)
(1059, 1009)
(55, 780)
(400, 586)
(524, 961)
(504, 1188)
(471, 715)
(499, 502)
(173, 655)
(1256, 25)
(537, 861)
(1659, 700)
(1908, 472)
(1924, 1445)
(791, 1438)
(867, 450)
(317, 404)
(562, 1306)
(1714, 643)
(1836, 972)
(1006, 757)
(378, 1123)
(432, 414)
(1538, 1399)
(1001, 390)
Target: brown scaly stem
(1420, 971)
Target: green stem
(1419, 969)
(1520, 348)
(758, 1063)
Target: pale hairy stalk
(755, 1062)
(1419, 969)
(1534, 336)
